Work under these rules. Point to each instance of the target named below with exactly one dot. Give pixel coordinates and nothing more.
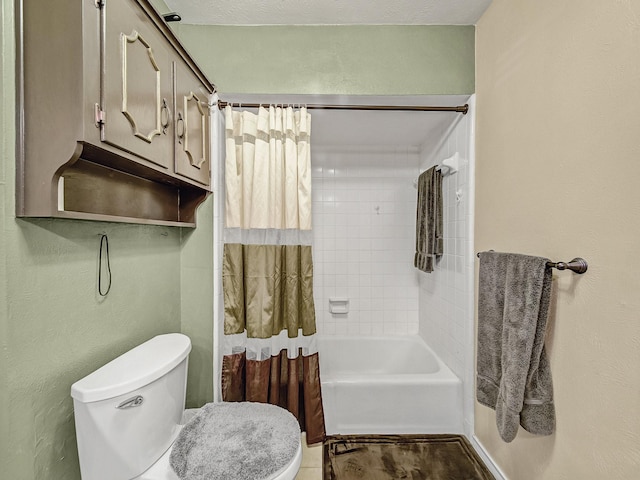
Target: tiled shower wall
(364, 240)
(446, 294)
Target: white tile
(364, 250)
(341, 284)
(365, 328)
(377, 329)
(389, 328)
(353, 329)
(401, 328)
(376, 316)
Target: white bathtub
(387, 385)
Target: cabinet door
(136, 85)
(191, 127)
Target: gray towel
(428, 219)
(513, 375)
(235, 441)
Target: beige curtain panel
(268, 169)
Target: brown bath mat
(400, 457)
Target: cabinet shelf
(97, 191)
(119, 219)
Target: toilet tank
(128, 412)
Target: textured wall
(557, 176)
(54, 327)
(314, 12)
(196, 305)
(160, 6)
(59, 329)
(7, 151)
(360, 60)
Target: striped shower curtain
(270, 352)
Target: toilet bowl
(129, 413)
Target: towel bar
(577, 265)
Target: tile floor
(311, 467)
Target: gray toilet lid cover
(235, 441)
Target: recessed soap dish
(338, 305)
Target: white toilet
(129, 412)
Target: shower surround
(364, 210)
(364, 202)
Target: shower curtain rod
(396, 108)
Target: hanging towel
(513, 374)
(428, 219)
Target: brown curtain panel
(291, 383)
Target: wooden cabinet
(115, 117)
(137, 85)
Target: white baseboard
(486, 458)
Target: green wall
(55, 328)
(160, 6)
(336, 60)
(196, 306)
(7, 138)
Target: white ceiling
(329, 12)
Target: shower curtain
(269, 348)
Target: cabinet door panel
(191, 127)
(136, 89)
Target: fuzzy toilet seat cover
(235, 441)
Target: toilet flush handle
(132, 402)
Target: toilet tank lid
(133, 369)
